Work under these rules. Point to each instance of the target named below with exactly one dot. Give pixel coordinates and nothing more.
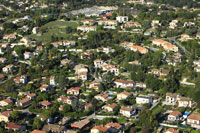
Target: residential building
(143, 99)
(85, 28)
(3, 60)
(122, 19)
(123, 95)
(171, 130)
(45, 104)
(44, 88)
(13, 126)
(194, 120)
(52, 81)
(94, 84)
(28, 55)
(174, 116)
(22, 79)
(5, 116)
(127, 111)
(140, 49)
(102, 97)
(110, 107)
(80, 124)
(31, 96)
(99, 129)
(171, 99)
(68, 100)
(98, 63)
(166, 45)
(124, 83)
(24, 102)
(8, 68)
(108, 22)
(6, 102)
(74, 91)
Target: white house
(85, 28)
(124, 83)
(28, 55)
(142, 99)
(194, 120)
(127, 111)
(123, 95)
(8, 68)
(173, 116)
(5, 102)
(122, 19)
(52, 81)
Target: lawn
(54, 28)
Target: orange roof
(172, 130)
(38, 131)
(12, 125)
(113, 105)
(7, 100)
(45, 103)
(124, 81)
(101, 128)
(194, 117)
(24, 100)
(6, 113)
(126, 108)
(74, 89)
(126, 93)
(115, 125)
(175, 113)
(139, 48)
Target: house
(188, 24)
(122, 19)
(102, 97)
(173, 24)
(198, 36)
(38, 131)
(123, 95)
(88, 22)
(6, 102)
(110, 107)
(5, 116)
(22, 79)
(80, 124)
(3, 60)
(194, 120)
(114, 127)
(171, 130)
(88, 106)
(24, 102)
(9, 37)
(80, 69)
(53, 128)
(64, 121)
(94, 84)
(26, 40)
(120, 83)
(69, 43)
(126, 44)
(99, 129)
(45, 104)
(35, 30)
(44, 88)
(185, 37)
(174, 116)
(140, 49)
(184, 102)
(28, 55)
(68, 100)
(171, 99)
(166, 45)
(108, 22)
(127, 111)
(8, 68)
(74, 91)
(155, 23)
(98, 63)
(131, 24)
(143, 99)
(52, 81)
(31, 96)
(85, 28)
(13, 126)
(83, 76)
(39, 48)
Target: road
(8, 8)
(155, 104)
(173, 39)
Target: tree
(68, 29)
(15, 115)
(37, 124)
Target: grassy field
(54, 28)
